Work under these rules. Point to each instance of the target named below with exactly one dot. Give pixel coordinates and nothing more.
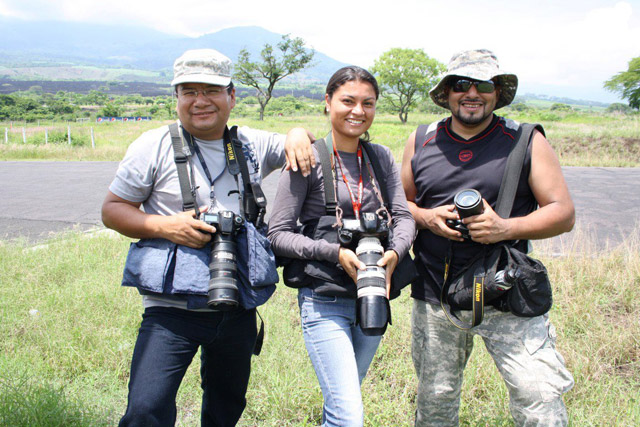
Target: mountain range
(77, 56)
(73, 51)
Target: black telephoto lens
(223, 284)
(372, 306)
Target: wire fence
(44, 134)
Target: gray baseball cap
(480, 64)
(202, 66)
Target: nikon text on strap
(504, 204)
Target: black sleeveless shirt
(445, 163)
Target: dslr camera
(222, 293)
(372, 306)
(468, 203)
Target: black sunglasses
(463, 85)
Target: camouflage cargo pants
(523, 349)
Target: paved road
(41, 198)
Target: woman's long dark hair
(351, 73)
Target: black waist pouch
(530, 293)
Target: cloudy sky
(557, 47)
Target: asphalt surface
(39, 199)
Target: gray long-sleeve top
(302, 198)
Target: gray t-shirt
(302, 199)
(148, 175)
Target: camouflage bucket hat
(479, 64)
(202, 66)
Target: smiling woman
(334, 279)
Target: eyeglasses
(463, 85)
(209, 93)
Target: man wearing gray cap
(176, 172)
(469, 149)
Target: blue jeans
(340, 354)
(167, 341)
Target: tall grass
(579, 139)
(68, 361)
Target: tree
(274, 67)
(558, 106)
(111, 109)
(405, 76)
(618, 107)
(627, 83)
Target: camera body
(222, 293)
(372, 305)
(468, 203)
(370, 224)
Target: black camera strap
(379, 175)
(252, 200)
(330, 200)
(504, 205)
(181, 155)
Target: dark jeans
(167, 341)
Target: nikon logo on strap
(231, 155)
(478, 291)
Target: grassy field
(579, 138)
(68, 331)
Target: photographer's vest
(324, 277)
(443, 164)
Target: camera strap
(252, 200)
(330, 202)
(181, 155)
(356, 202)
(371, 161)
(504, 205)
(378, 175)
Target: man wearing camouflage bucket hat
(185, 309)
(469, 149)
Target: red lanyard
(356, 203)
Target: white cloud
(572, 43)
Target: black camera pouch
(531, 295)
(298, 273)
(474, 286)
(404, 273)
(481, 269)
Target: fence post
(24, 136)
(93, 140)
(46, 136)
(69, 134)
(6, 135)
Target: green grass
(68, 364)
(579, 138)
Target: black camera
(223, 283)
(372, 306)
(468, 203)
